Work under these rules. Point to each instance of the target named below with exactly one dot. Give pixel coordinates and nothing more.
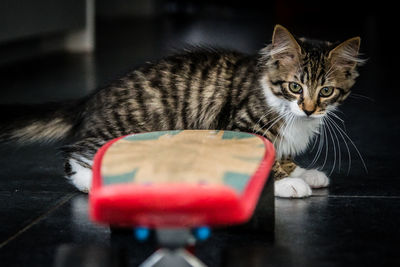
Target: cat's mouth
(298, 112)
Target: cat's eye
(326, 91)
(295, 88)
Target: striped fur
(208, 89)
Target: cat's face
(308, 78)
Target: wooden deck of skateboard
(183, 178)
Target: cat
(282, 93)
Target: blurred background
(95, 41)
(54, 50)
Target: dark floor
(353, 223)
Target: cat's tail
(39, 122)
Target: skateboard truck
(173, 242)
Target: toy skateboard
(176, 185)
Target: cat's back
(184, 90)
(185, 69)
(200, 61)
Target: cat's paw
(292, 188)
(313, 177)
(81, 177)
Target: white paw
(315, 178)
(82, 177)
(292, 188)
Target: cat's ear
(345, 55)
(284, 46)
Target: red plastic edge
(187, 205)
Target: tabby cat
(283, 93)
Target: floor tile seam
(60, 203)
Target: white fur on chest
(297, 136)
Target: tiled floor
(353, 223)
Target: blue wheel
(202, 233)
(141, 233)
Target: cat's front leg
(313, 177)
(298, 181)
(287, 186)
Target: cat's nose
(308, 112)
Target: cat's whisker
(320, 149)
(277, 148)
(294, 119)
(334, 148)
(279, 133)
(336, 110)
(263, 116)
(345, 142)
(359, 96)
(355, 147)
(335, 115)
(288, 121)
(339, 146)
(326, 147)
(270, 121)
(276, 120)
(317, 136)
(320, 145)
(315, 141)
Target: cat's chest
(296, 136)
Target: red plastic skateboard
(179, 181)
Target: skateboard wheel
(141, 233)
(202, 233)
